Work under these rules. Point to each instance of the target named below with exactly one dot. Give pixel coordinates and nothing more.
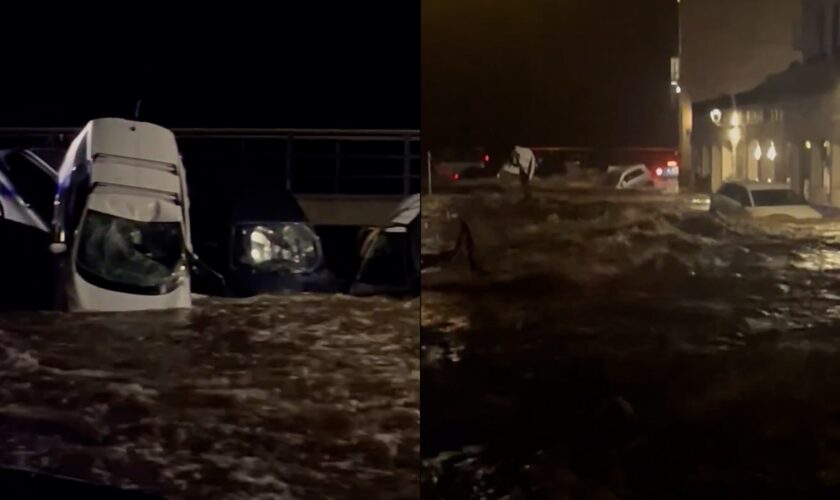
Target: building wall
(730, 46)
(805, 131)
(819, 32)
(805, 136)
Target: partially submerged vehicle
(257, 237)
(629, 177)
(27, 188)
(391, 255)
(452, 165)
(121, 230)
(522, 162)
(756, 199)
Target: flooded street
(621, 345)
(306, 396)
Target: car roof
(625, 168)
(760, 186)
(407, 211)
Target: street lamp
(716, 115)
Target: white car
(629, 177)
(760, 200)
(522, 160)
(121, 221)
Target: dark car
(256, 238)
(450, 164)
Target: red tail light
(486, 158)
(456, 176)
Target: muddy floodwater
(307, 396)
(627, 346)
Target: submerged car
(629, 177)
(121, 220)
(452, 165)
(391, 255)
(755, 199)
(522, 161)
(27, 188)
(257, 238)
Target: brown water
(302, 396)
(625, 345)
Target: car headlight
(292, 247)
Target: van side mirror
(205, 276)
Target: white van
(121, 226)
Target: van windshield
(131, 256)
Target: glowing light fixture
(757, 152)
(735, 120)
(807, 144)
(678, 89)
(771, 153)
(659, 171)
(716, 116)
(827, 145)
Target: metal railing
(312, 161)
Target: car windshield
(776, 197)
(131, 256)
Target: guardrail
(312, 161)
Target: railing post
(337, 167)
(289, 163)
(429, 168)
(406, 165)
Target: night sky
(311, 65)
(548, 72)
